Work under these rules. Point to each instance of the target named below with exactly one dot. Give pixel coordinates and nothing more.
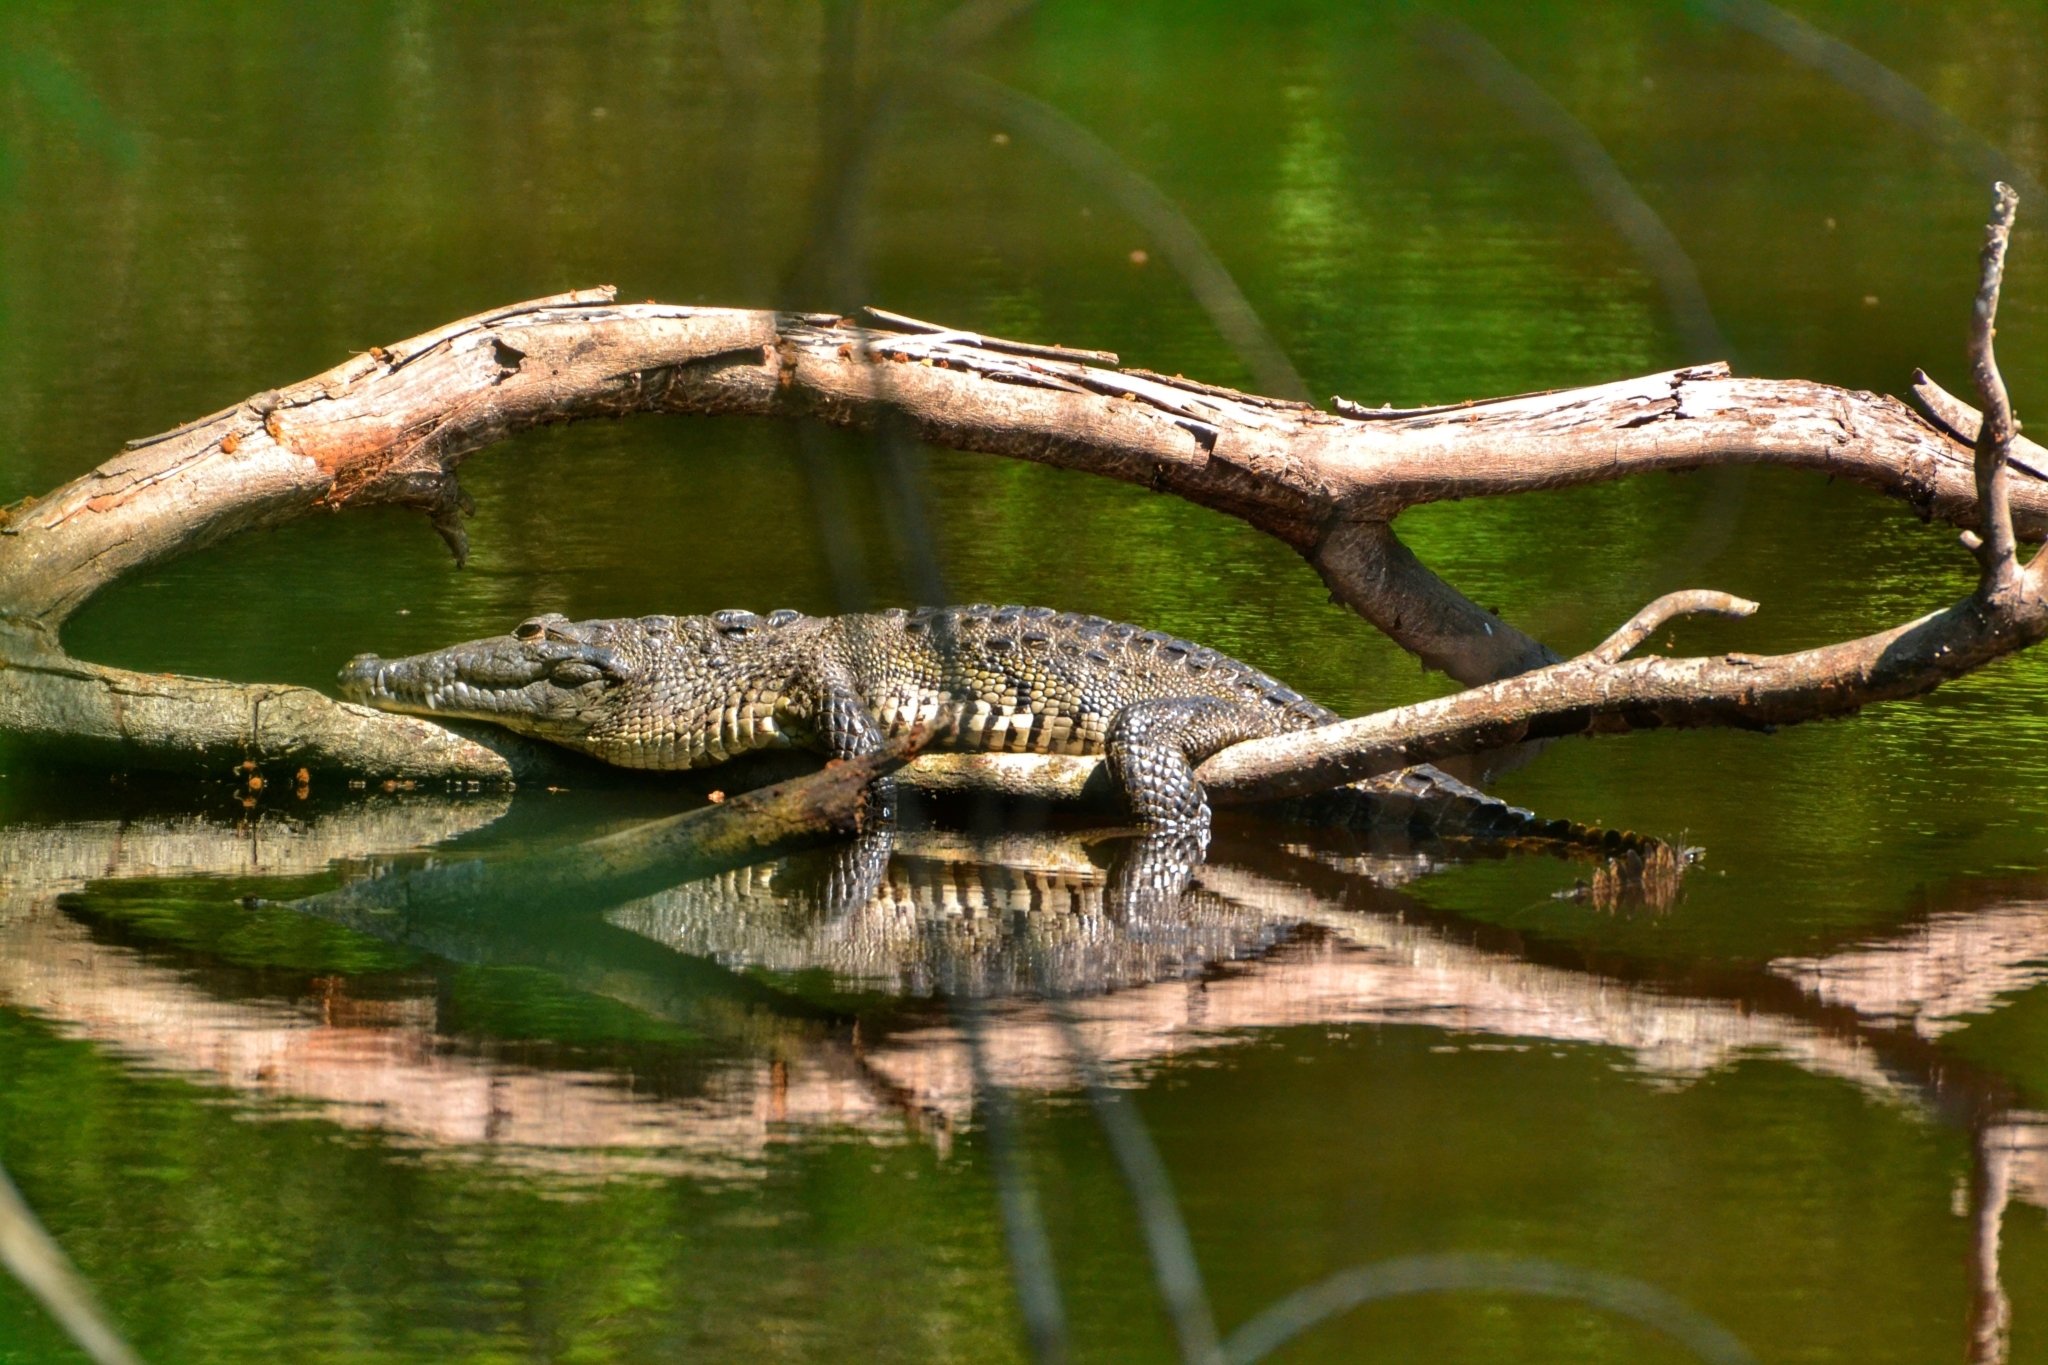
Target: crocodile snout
(361, 680)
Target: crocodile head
(635, 692)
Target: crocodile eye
(530, 630)
(734, 622)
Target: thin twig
(1638, 628)
(1996, 549)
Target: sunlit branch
(394, 424)
(1994, 543)
(1671, 605)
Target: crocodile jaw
(537, 687)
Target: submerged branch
(801, 813)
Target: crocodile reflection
(935, 912)
(1293, 935)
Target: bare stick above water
(1994, 544)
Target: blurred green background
(202, 200)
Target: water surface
(720, 1123)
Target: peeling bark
(393, 426)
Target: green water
(541, 1136)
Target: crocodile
(672, 692)
(676, 692)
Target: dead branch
(393, 426)
(1598, 694)
(1590, 696)
(1671, 605)
(1993, 544)
(50, 699)
(1962, 421)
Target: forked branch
(395, 424)
(1597, 693)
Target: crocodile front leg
(848, 731)
(1154, 746)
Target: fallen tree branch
(161, 718)
(1590, 696)
(393, 426)
(1598, 694)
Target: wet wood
(801, 813)
(394, 424)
